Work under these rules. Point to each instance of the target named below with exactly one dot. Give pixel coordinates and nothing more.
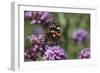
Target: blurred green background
(68, 23)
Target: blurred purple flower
(44, 15)
(38, 47)
(80, 35)
(33, 21)
(34, 52)
(84, 53)
(38, 36)
(28, 14)
(31, 54)
(55, 53)
(36, 39)
(39, 17)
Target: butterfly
(53, 34)
(54, 31)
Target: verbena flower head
(79, 36)
(36, 39)
(84, 53)
(31, 54)
(39, 17)
(55, 53)
(28, 14)
(38, 36)
(34, 52)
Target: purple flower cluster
(39, 17)
(55, 53)
(37, 40)
(38, 36)
(34, 53)
(84, 54)
(79, 36)
(31, 54)
(28, 14)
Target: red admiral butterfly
(54, 33)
